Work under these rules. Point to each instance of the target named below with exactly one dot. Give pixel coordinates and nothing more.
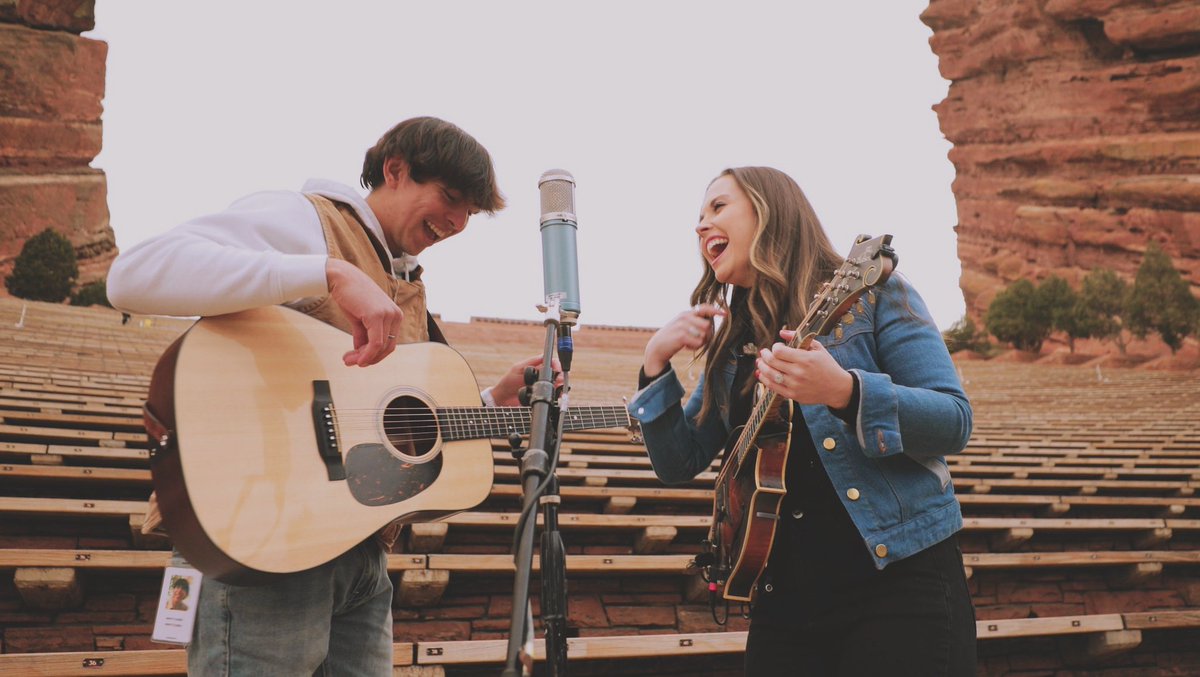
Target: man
(179, 592)
(350, 262)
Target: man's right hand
(375, 317)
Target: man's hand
(505, 390)
(375, 317)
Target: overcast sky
(644, 102)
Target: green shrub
(1161, 301)
(964, 335)
(1105, 299)
(1018, 315)
(45, 270)
(91, 294)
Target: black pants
(913, 618)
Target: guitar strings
(422, 425)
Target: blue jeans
(335, 619)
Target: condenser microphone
(560, 265)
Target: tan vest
(347, 239)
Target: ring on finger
(391, 337)
(778, 378)
(693, 332)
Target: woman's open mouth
(714, 247)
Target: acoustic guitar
(270, 456)
(750, 486)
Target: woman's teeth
(716, 245)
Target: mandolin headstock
(869, 264)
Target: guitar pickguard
(376, 477)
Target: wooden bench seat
(1042, 627)
(580, 520)
(658, 645)
(143, 560)
(648, 494)
(1085, 487)
(1135, 567)
(73, 406)
(1055, 472)
(585, 648)
(64, 395)
(512, 473)
(70, 473)
(90, 421)
(140, 560)
(576, 564)
(131, 663)
(33, 452)
(1015, 531)
(70, 507)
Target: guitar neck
(473, 423)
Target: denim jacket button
(829, 444)
(852, 494)
(881, 551)
(641, 410)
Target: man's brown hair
(436, 150)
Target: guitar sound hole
(410, 426)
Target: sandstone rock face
(1076, 132)
(51, 88)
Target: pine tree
(1161, 300)
(45, 270)
(1067, 313)
(1018, 315)
(1105, 299)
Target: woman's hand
(805, 375)
(690, 329)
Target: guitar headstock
(869, 264)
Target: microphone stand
(540, 485)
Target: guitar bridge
(326, 431)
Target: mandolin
(750, 487)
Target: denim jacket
(889, 468)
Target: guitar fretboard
(473, 423)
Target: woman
(865, 575)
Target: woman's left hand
(806, 375)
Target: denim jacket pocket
(937, 466)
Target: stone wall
(51, 88)
(1076, 132)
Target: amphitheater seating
(1080, 527)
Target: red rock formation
(1076, 132)
(51, 87)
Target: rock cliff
(51, 87)
(1076, 132)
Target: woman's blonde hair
(791, 256)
